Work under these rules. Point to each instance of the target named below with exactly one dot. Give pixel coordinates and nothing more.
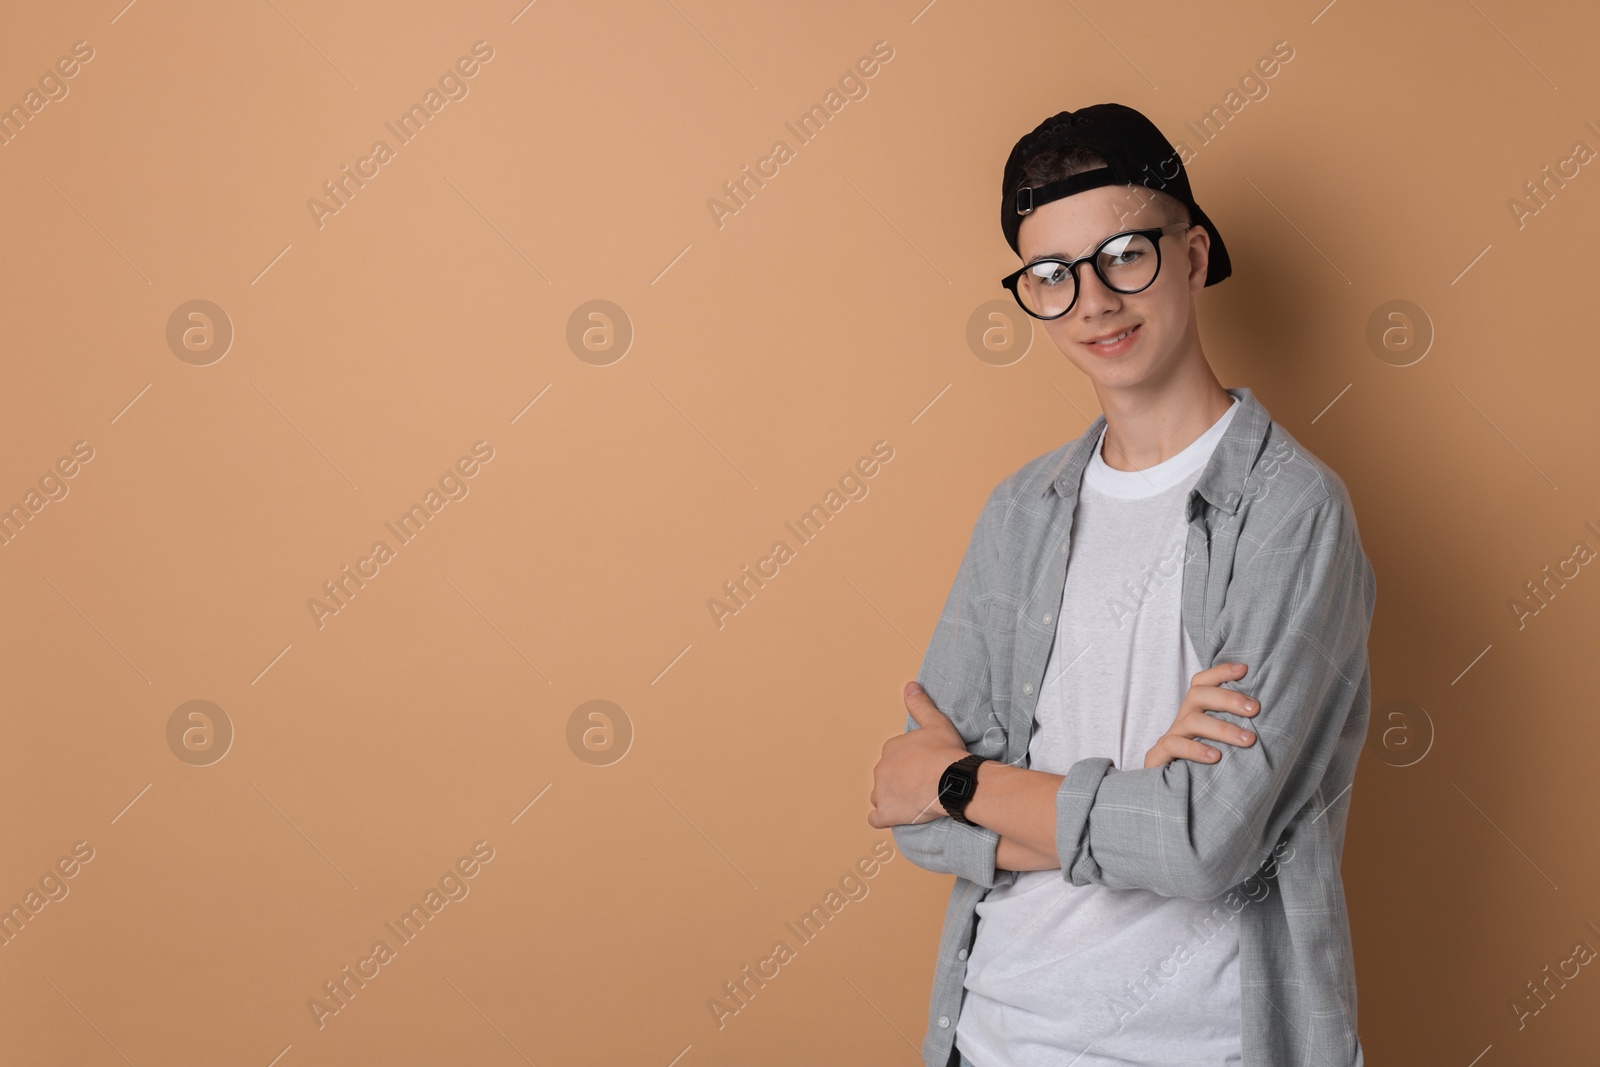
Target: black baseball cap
(1136, 153)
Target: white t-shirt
(1123, 976)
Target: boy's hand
(1193, 722)
(905, 781)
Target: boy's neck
(1156, 421)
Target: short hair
(1052, 164)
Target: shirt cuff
(1074, 801)
(953, 847)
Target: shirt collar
(1222, 481)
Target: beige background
(829, 313)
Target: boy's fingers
(1222, 672)
(1214, 698)
(1214, 729)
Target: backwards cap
(1136, 153)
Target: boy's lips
(1112, 348)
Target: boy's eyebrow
(1061, 255)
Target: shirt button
(944, 1022)
(961, 955)
(1047, 616)
(1028, 689)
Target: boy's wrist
(1017, 802)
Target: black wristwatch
(957, 784)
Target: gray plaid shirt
(1274, 577)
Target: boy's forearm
(1012, 855)
(1019, 805)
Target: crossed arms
(1297, 610)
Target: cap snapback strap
(1030, 197)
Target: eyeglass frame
(1154, 234)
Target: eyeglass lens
(1127, 263)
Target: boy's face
(1163, 314)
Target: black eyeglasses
(1126, 262)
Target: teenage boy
(1124, 892)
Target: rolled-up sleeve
(1298, 615)
(955, 674)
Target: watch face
(955, 785)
